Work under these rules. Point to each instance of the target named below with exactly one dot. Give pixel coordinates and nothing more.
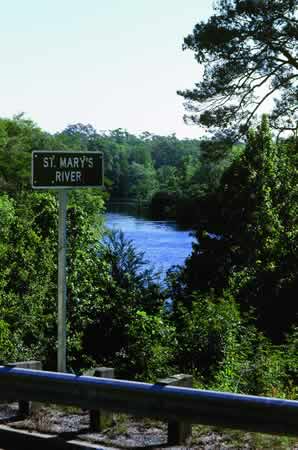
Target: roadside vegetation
(233, 322)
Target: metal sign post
(64, 170)
(62, 292)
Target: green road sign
(66, 170)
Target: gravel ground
(128, 432)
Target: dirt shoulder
(126, 432)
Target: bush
(150, 351)
(206, 331)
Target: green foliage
(246, 256)
(26, 269)
(253, 365)
(142, 181)
(28, 250)
(246, 249)
(248, 239)
(18, 138)
(171, 175)
(126, 288)
(7, 217)
(185, 187)
(168, 178)
(206, 329)
(130, 270)
(29, 277)
(5, 341)
(226, 352)
(150, 351)
(249, 52)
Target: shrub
(151, 343)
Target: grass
(125, 426)
(238, 439)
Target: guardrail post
(100, 419)
(178, 432)
(26, 407)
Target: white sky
(111, 63)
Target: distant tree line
(166, 173)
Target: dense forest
(233, 321)
(163, 172)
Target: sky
(110, 63)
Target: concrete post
(99, 420)
(178, 432)
(25, 407)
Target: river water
(163, 242)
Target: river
(163, 242)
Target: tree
(249, 52)
(130, 288)
(79, 129)
(248, 243)
(142, 181)
(18, 138)
(79, 137)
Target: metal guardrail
(245, 412)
